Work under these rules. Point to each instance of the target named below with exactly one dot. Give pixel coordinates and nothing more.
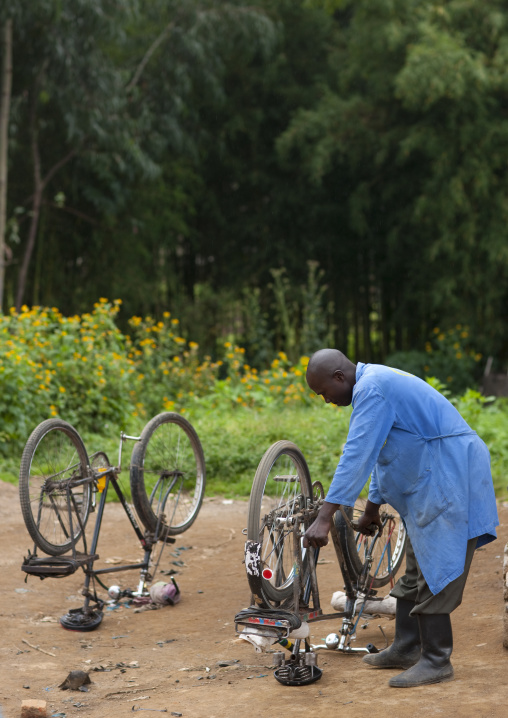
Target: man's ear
(339, 375)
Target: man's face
(334, 389)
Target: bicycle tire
(168, 475)
(282, 482)
(53, 454)
(354, 545)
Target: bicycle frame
(310, 611)
(100, 480)
(147, 540)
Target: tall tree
(69, 100)
(112, 105)
(5, 102)
(417, 125)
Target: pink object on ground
(165, 594)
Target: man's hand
(369, 517)
(317, 533)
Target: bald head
(327, 361)
(332, 375)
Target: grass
(234, 441)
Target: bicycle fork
(342, 642)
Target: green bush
(448, 356)
(85, 370)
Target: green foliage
(416, 128)
(84, 369)
(76, 367)
(449, 357)
(351, 155)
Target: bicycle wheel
(281, 487)
(55, 486)
(355, 545)
(167, 475)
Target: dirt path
(177, 649)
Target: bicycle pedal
(297, 674)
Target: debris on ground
(76, 681)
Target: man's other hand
(368, 519)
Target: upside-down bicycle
(58, 485)
(282, 574)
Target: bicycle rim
(168, 475)
(280, 489)
(387, 550)
(53, 456)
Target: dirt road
(169, 658)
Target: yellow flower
(61, 389)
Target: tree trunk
(40, 184)
(5, 101)
(36, 208)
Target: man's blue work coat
(425, 461)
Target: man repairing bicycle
(425, 461)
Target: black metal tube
(128, 511)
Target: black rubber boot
(405, 650)
(437, 644)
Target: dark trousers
(413, 587)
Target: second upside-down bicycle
(282, 574)
(58, 485)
